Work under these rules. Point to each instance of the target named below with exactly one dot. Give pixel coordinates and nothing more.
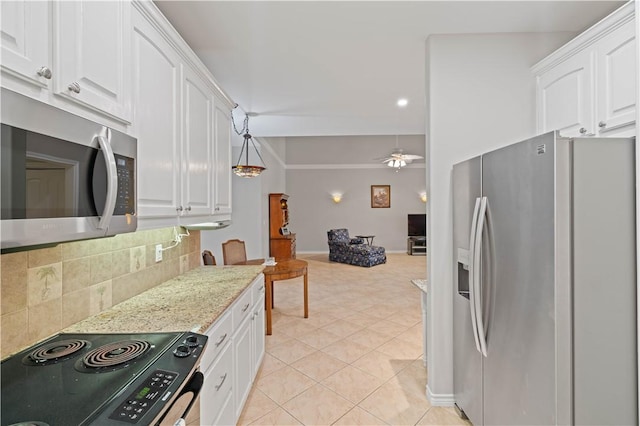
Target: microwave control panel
(125, 203)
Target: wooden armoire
(282, 243)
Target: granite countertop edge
(421, 284)
(192, 302)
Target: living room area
(330, 184)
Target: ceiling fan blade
(412, 157)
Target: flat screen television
(417, 225)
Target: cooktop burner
(54, 352)
(116, 354)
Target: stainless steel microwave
(64, 178)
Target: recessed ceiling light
(402, 102)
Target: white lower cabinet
(233, 356)
(217, 392)
(243, 368)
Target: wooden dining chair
(233, 252)
(208, 258)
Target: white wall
(250, 212)
(320, 166)
(480, 96)
(274, 153)
(313, 212)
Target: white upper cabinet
(197, 146)
(25, 42)
(74, 55)
(587, 87)
(156, 120)
(92, 54)
(222, 159)
(565, 97)
(616, 55)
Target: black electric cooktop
(75, 379)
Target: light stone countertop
(421, 284)
(189, 302)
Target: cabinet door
(258, 334)
(222, 190)
(616, 58)
(156, 74)
(92, 51)
(217, 389)
(197, 146)
(243, 363)
(565, 97)
(26, 34)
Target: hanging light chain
(245, 123)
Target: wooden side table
(282, 270)
(367, 238)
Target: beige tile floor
(357, 359)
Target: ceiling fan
(398, 159)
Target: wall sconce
(423, 197)
(336, 197)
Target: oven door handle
(194, 386)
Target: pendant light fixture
(246, 170)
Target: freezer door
(467, 367)
(519, 370)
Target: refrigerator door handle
(472, 268)
(477, 253)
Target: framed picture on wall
(380, 196)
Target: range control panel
(140, 401)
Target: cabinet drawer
(219, 335)
(242, 308)
(258, 288)
(217, 386)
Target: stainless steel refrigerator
(545, 283)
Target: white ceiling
(322, 68)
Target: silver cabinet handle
(179, 209)
(188, 208)
(602, 124)
(583, 130)
(220, 340)
(74, 87)
(219, 385)
(245, 307)
(217, 209)
(44, 72)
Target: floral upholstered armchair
(353, 251)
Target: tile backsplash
(46, 290)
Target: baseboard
(441, 400)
